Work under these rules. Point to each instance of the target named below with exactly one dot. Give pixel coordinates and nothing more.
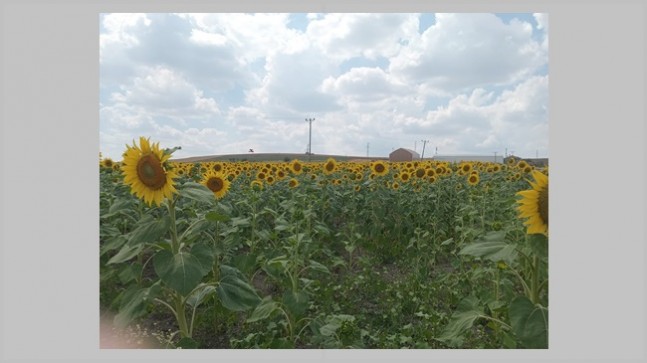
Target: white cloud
(253, 36)
(478, 122)
(224, 83)
(292, 85)
(542, 25)
(364, 84)
(164, 91)
(542, 21)
(118, 28)
(344, 36)
(463, 51)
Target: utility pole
(415, 146)
(424, 143)
(367, 149)
(310, 137)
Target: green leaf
(492, 250)
(216, 217)
(239, 221)
(133, 304)
(195, 230)
(314, 265)
(538, 244)
(296, 302)
(112, 243)
(149, 230)
(446, 242)
(182, 272)
(119, 206)
(204, 254)
(467, 311)
(335, 322)
(246, 263)
(197, 192)
(234, 291)
(187, 343)
(529, 322)
(126, 253)
(263, 311)
(200, 295)
(130, 272)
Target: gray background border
(49, 206)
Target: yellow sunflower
(217, 183)
(217, 167)
(144, 171)
(534, 204)
(107, 163)
(465, 168)
(256, 184)
(293, 183)
(330, 166)
(296, 167)
(380, 168)
(473, 179)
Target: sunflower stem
(175, 242)
(180, 309)
(534, 284)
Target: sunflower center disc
(379, 168)
(215, 184)
(543, 204)
(150, 172)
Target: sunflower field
(387, 255)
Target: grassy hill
(275, 157)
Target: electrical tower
(424, 143)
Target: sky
(467, 83)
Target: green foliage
(430, 265)
(529, 322)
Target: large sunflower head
(296, 167)
(145, 171)
(465, 168)
(330, 166)
(534, 204)
(217, 183)
(473, 178)
(380, 168)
